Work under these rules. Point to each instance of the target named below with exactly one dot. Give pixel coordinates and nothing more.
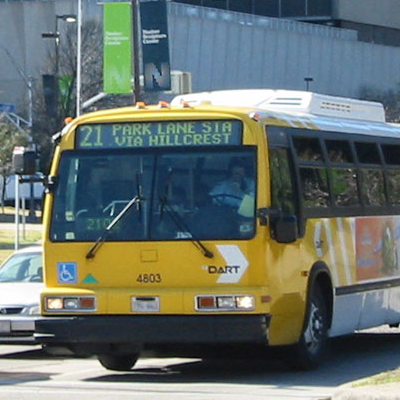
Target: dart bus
(227, 218)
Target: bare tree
(390, 100)
(10, 137)
(92, 84)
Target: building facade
(222, 49)
(375, 21)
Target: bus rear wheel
(118, 362)
(312, 347)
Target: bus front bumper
(151, 329)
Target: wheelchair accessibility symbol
(67, 272)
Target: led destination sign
(159, 134)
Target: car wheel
(117, 362)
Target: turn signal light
(206, 302)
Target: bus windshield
(185, 195)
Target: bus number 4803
(149, 278)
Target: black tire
(118, 363)
(312, 348)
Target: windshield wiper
(92, 252)
(180, 223)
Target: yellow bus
(227, 218)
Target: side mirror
(24, 161)
(284, 228)
(51, 183)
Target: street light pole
(78, 60)
(307, 80)
(56, 35)
(136, 45)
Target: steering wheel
(80, 212)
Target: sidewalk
(385, 391)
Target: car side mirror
(284, 228)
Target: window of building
(193, 2)
(269, 8)
(293, 8)
(216, 4)
(244, 6)
(319, 8)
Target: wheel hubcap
(314, 332)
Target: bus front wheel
(312, 347)
(118, 362)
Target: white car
(21, 281)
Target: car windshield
(184, 195)
(22, 267)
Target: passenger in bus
(232, 190)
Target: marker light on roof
(163, 104)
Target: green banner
(117, 63)
(65, 83)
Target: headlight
(245, 302)
(54, 303)
(71, 303)
(231, 302)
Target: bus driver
(232, 190)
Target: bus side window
(281, 181)
(314, 182)
(391, 153)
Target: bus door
(286, 258)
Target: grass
(4, 254)
(380, 379)
(10, 210)
(7, 238)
